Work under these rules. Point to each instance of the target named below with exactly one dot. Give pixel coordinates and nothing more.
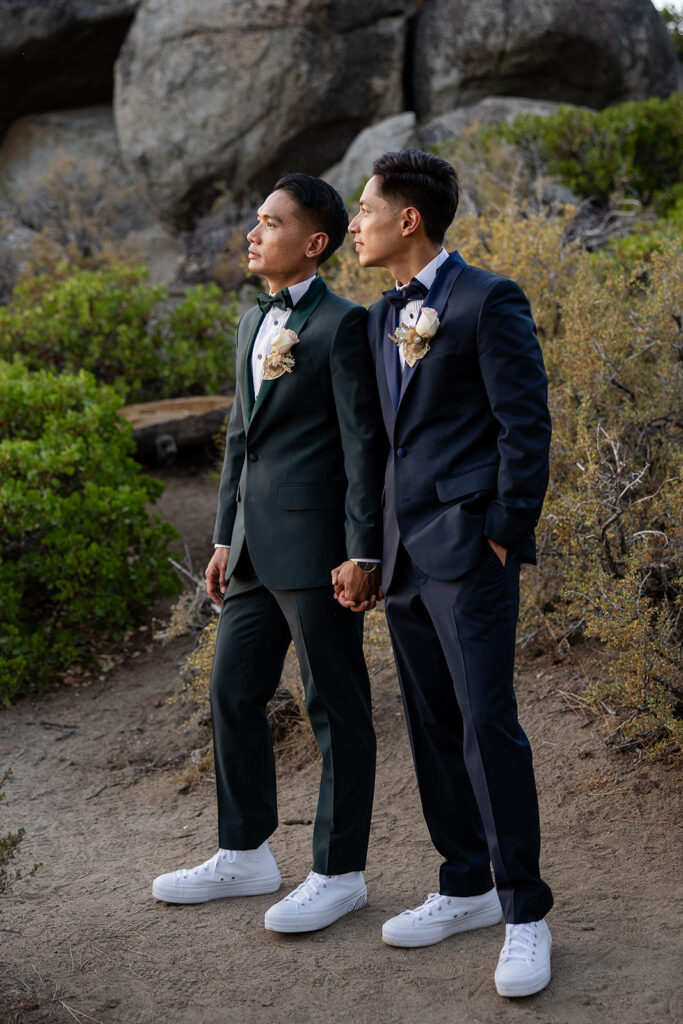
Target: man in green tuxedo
(299, 502)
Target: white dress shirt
(271, 325)
(410, 313)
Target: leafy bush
(80, 555)
(634, 148)
(123, 330)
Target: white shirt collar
(427, 274)
(298, 290)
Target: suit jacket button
(253, 457)
(400, 452)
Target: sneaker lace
(309, 888)
(520, 942)
(211, 866)
(434, 901)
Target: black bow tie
(281, 299)
(399, 297)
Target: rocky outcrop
(33, 144)
(63, 186)
(58, 53)
(397, 132)
(492, 110)
(589, 52)
(214, 97)
(403, 131)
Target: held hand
(216, 584)
(499, 550)
(364, 606)
(354, 588)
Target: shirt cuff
(222, 546)
(377, 561)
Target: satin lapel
(436, 299)
(376, 332)
(296, 322)
(251, 330)
(392, 363)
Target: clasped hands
(354, 589)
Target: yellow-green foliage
(527, 246)
(610, 539)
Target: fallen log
(162, 428)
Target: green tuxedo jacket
(304, 464)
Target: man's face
(278, 243)
(376, 228)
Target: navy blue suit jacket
(469, 430)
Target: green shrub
(80, 555)
(634, 148)
(123, 330)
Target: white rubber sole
(525, 987)
(312, 921)
(430, 934)
(169, 893)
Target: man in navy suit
(464, 398)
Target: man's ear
(411, 218)
(317, 244)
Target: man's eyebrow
(264, 215)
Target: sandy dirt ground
(96, 788)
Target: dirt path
(96, 788)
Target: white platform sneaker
(227, 873)
(440, 916)
(318, 902)
(524, 963)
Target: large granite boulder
(214, 97)
(62, 183)
(402, 131)
(34, 143)
(589, 52)
(396, 132)
(492, 110)
(58, 53)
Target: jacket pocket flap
(298, 497)
(481, 478)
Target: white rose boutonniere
(280, 360)
(415, 340)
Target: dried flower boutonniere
(280, 360)
(415, 340)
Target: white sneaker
(227, 873)
(440, 916)
(524, 963)
(317, 902)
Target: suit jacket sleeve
(235, 449)
(362, 434)
(514, 376)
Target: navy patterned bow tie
(281, 299)
(399, 297)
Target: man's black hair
(322, 202)
(421, 180)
